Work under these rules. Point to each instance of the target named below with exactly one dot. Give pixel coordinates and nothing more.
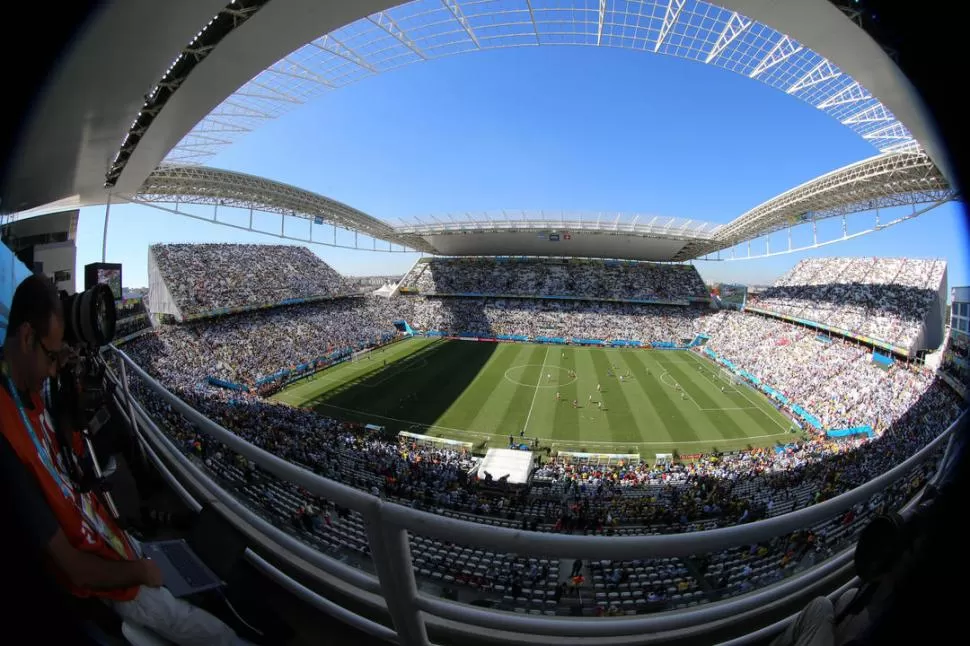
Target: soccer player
(575, 404)
(557, 395)
(598, 388)
(548, 377)
(590, 400)
(621, 379)
(599, 405)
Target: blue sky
(543, 128)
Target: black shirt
(31, 512)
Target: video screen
(106, 274)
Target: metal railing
(388, 524)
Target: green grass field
(469, 391)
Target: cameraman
(88, 553)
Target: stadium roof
(886, 180)
(426, 30)
(255, 60)
(216, 187)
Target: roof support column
(104, 235)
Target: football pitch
(464, 390)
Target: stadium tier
(553, 318)
(556, 278)
(736, 373)
(898, 301)
(196, 280)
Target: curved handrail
(549, 545)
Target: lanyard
(80, 501)
(43, 450)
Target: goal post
(729, 377)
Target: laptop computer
(184, 573)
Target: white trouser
(174, 619)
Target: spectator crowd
(559, 277)
(835, 380)
(201, 278)
(881, 298)
(553, 318)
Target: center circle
(515, 374)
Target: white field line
(550, 440)
(542, 367)
(745, 395)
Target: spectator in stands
(833, 380)
(91, 554)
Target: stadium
(549, 426)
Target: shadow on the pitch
(411, 393)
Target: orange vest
(83, 519)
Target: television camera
(80, 395)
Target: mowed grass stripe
(704, 425)
(620, 421)
(488, 411)
(699, 390)
(546, 407)
(462, 385)
(478, 397)
(516, 407)
(450, 367)
(651, 427)
(565, 419)
(588, 419)
(764, 415)
(676, 425)
(305, 391)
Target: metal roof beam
(821, 72)
(301, 73)
(532, 17)
(734, 27)
(782, 50)
(849, 94)
(599, 24)
(387, 23)
(875, 113)
(456, 11)
(670, 19)
(330, 44)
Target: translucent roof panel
(429, 29)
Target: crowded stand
(881, 298)
(619, 499)
(201, 278)
(560, 278)
(834, 379)
(956, 356)
(233, 348)
(553, 318)
(132, 318)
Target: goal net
(728, 378)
